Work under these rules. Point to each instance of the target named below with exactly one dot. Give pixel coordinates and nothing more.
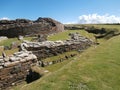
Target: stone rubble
(18, 57)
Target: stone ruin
(26, 27)
(43, 63)
(40, 38)
(15, 68)
(52, 48)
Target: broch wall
(27, 27)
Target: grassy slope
(95, 69)
(57, 66)
(64, 35)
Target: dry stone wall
(47, 63)
(15, 68)
(52, 48)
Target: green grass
(28, 38)
(95, 69)
(97, 25)
(8, 41)
(12, 51)
(105, 26)
(65, 35)
(57, 66)
(9, 52)
(60, 56)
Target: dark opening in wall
(32, 76)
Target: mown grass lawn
(95, 69)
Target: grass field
(65, 35)
(57, 66)
(8, 42)
(106, 26)
(95, 69)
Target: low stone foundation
(15, 68)
(45, 63)
(53, 48)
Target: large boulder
(15, 28)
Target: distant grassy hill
(96, 25)
(104, 26)
(97, 68)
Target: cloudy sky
(65, 11)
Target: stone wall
(47, 63)
(15, 68)
(27, 27)
(99, 32)
(52, 48)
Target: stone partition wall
(52, 48)
(15, 68)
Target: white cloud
(4, 18)
(95, 18)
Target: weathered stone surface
(53, 48)
(20, 37)
(14, 45)
(15, 68)
(43, 64)
(100, 32)
(3, 38)
(27, 27)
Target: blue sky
(61, 10)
